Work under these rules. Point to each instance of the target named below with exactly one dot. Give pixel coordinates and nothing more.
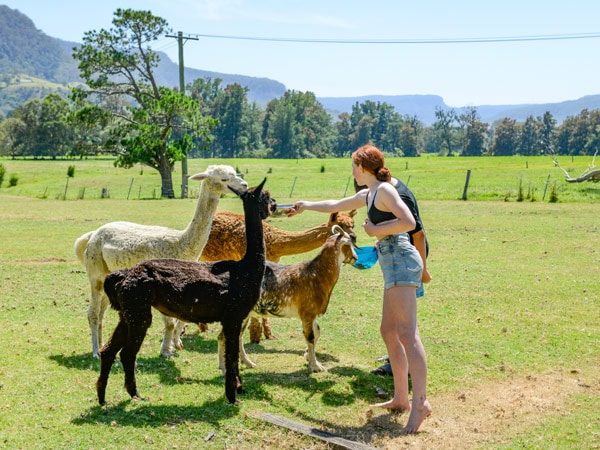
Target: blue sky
(483, 73)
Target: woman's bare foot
(418, 414)
(394, 405)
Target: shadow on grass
(165, 368)
(146, 414)
(204, 343)
(260, 387)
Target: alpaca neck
(195, 235)
(328, 261)
(255, 242)
(285, 243)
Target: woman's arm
(421, 246)
(388, 199)
(358, 200)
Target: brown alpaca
(227, 241)
(302, 290)
(191, 291)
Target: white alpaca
(119, 245)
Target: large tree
(11, 132)
(158, 124)
(297, 126)
(237, 129)
(506, 138)
(531, 137)
(445, 129)
(55, 133)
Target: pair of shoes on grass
(384, 370)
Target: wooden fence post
(546, 187)
(293, 184)
(464, 197)
(66, 186)
(129, 191)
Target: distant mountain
(26, 50)
(424, 106)
(260, 90)
(28, 57)
(32, 65)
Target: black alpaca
(220, 291)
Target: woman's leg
(393, 314)
(401, 335)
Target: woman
(389, 220)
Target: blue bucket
(367, 257)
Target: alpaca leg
(178, 332)
(233, 382)
(166, 348)
(255, 330)
(266, 323)
(103, 307)
(244, 359)
(221, 351)
(311, 334)
(95, 313)
(137, 332)
(107, 357)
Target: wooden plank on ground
(313, 432)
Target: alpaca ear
(260, 186)
(199, 176)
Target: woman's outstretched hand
(296, 209)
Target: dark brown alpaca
(221, 291)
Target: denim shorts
(400, 262)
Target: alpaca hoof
(138, 398)
(249, 364)
(317, 368)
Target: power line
(547, 37)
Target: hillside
(32, 65)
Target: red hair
(371, 159)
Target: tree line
(124, 112)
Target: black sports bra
(375, 215)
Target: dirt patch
(488, 413)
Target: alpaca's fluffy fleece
(118, 245)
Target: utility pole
(180, 42)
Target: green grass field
(510, 321)
(430, 177)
